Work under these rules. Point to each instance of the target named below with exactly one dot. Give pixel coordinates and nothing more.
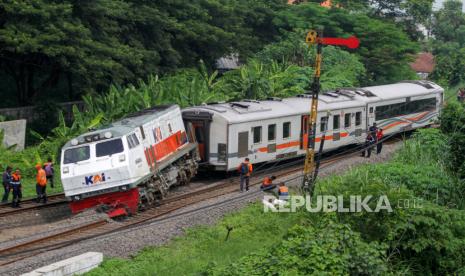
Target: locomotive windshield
(109, 147)
(75, 155)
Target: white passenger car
(275, 129)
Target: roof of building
(424, 63)
(228, 62)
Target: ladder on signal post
(311, 167)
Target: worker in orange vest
(268, 183)
(41, 186)
(379, 136)
(283, 191)
(16, 187)
(245, 169)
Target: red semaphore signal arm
(351, 42)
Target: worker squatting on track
(12, 183)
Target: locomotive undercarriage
(178, 173)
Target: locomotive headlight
(74, 142)
(65, 170)
(122, 158)
(77, 197)
(108, 135)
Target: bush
(324, 247)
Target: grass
(451, 92)
(29, 187)
(203, 246)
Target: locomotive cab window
(109, 147)
(257, 134)
(324, 124)
(272, 132)
(358, 118)
(336, 121)
(286, 130)
(75, 155)
(347, 120)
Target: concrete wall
(30, 113)
(72, 266)
(14, 133)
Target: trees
(385, 50)
(82, 46)
(449, 44)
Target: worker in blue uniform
(16, 188)
(6, 184)
(369, 142)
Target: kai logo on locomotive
(94, 179)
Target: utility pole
(311, 167)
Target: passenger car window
(399, 109)
(336, 121)
(358, 118)
(347, 120)
(257, 134)
(324, 124)
(109, 147)
(272, 132)
(286, 130)
(76, 154)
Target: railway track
(31, 204)
(67, 237)
(102, 227)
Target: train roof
(127, 124)
(253, 110)
(404, 89)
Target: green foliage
(204, 247)
(257, 80)
(421, 235)
(324, 247)
(85, 46)
(453, 125)
(385, 50)
(449, 45)
(339, 68)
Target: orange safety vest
(41, 178)
(267, 181)
(283, 189)
(249, 166)
(15, 179)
